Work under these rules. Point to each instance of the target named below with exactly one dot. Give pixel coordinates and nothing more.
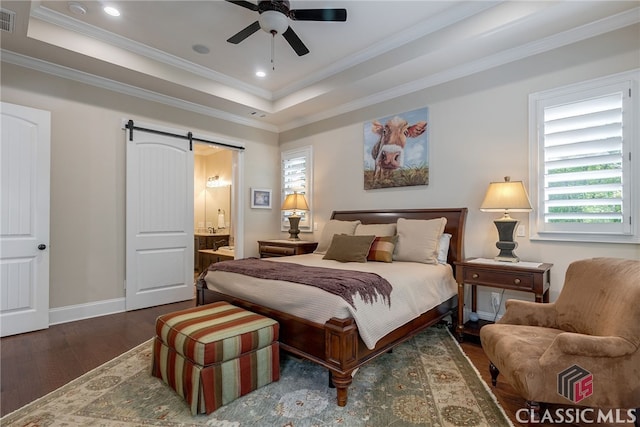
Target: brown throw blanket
(344, 283)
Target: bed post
(341, 349)
(200, 294)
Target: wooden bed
(336, 345)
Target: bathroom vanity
(209, 256)
(212, 241)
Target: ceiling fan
(274, 15)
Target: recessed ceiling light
(202, 49)
(77, 8)
(260, 73)
(110, 10)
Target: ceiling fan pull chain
(273, 49)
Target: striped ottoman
(213, 354)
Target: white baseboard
(72, 313)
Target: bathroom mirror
(212, 190)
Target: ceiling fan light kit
(273, 22)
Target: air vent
(7, 18)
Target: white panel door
(159, 217)
(24, 219)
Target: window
(584, 187)
(297, 176)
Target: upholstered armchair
(583, 349)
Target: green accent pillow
(346, 248)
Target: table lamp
(294, 202)
(507, 196)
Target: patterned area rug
(426, 381)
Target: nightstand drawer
(277, 250)
(518, 281)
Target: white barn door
(24, 219)
(159, 220)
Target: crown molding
(612, 23)
(63, 21)
(115, 86)
(432, 25)
(596, 28)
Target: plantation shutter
(296, 177)
(585, 186)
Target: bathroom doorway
(214, 228)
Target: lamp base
(506, 229)
(294, 222)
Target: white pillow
(418, 240)
(378, 230)
(334, 226)
(443, 248)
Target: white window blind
(583, 161)
(297, 176)
(582, 145)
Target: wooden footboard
(336, 345)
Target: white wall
(478, 133)
(88, 178)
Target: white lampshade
(295, 202)
(507, 196)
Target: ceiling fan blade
(318, 15)
(246, 4)
(243, 34)
(295, 42)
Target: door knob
(42, 246)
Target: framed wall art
(261, 198)
(396, 150)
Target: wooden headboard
(456, 218)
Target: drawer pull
(516, 281)
(475, 275)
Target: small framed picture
(261, 198)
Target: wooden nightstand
(277, 248)
(522, 276)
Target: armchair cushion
(516, 351)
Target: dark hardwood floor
(36, 363)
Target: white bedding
(417, 288)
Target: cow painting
(396, 147)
